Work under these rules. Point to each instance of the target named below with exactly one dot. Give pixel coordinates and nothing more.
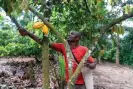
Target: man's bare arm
(24, 32)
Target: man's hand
(90, 65)
(22, 32)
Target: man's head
(74, 36)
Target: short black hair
(78, 34)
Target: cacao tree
(91, 17)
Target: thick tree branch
(118, 20)
(47, 24)
(125, 3)
(24, 32)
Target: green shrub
(12, 44)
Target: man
(78, 52)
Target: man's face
(72, 37)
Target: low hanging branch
(15, 21)
(24, 32)
(118, 20)
(106, 27)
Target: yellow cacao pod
(113, 29)
(38, 25)
(101, 52)
(45, 29)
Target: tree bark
(45, 63)
(115, 21)
(117, 49)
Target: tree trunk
(45, 63)
(99, 59)
(117, 49)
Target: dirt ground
(106, 75)
(111, 76)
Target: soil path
(111, 76)
(106, 75)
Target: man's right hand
(23, 32)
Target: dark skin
(73, 40)
(24, 32)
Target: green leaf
(62, 67)
(24, 5)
